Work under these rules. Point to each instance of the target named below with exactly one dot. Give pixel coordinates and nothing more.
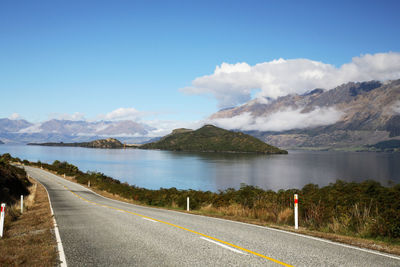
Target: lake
(214, 171)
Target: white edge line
(223, 245)
(60, 247)
(248, 224)
(149, 219)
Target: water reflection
(214, 171)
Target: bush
(13, 183)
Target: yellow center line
(186, 229)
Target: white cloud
(122, 114)
(77, 116)
(280, 121)
(164, 127)
(32, 129)
(115, 115)
(14, 116)
(232, 84)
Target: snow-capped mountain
(22, 131)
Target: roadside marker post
(187, 204)
(3, 206)
(296, 212)
(22, 204)
(64, 175)
(88, 184)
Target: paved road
(96, 231)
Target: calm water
(211, 171)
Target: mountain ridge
(369, 113)
(350, 115)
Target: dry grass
(28, 239)
(287, 216)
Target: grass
(28, 238)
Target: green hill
(212, 139)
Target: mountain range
(350, 115)
(22, 131)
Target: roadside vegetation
(27, 238)
(13, 181)
(366, 210)
(365, 214)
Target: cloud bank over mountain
(233, 84)
(280, 121)
(77, 116)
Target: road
(96, 231)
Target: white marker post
(88, 184)
(296, 212)
(187, 204)
(3, 206)
(64, 175)
(22, 204)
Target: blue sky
(94, 57)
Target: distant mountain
(353, 114)
(212, 139)
(1, 142)
(21, 131)
(102, 143)
(7, 125)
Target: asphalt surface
(96, 231)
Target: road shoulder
(29, 239)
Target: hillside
(353, 114)
(386, 146)
(212, 139)
(13, 181)
(1, 142)
(102, 143)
